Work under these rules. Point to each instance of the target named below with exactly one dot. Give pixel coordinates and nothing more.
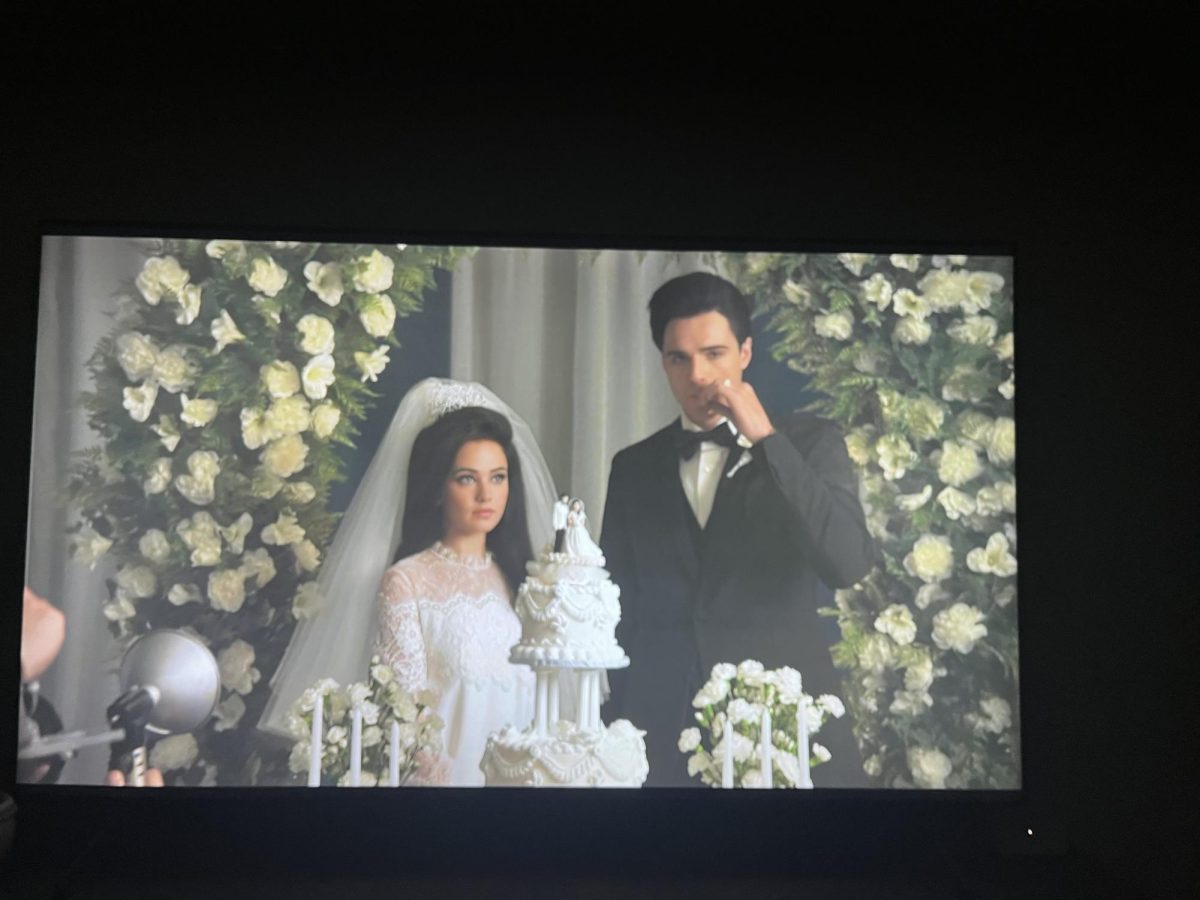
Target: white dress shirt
(701, 474)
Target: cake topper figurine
(559, 519)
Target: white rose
(797, 294)
(877, 653)
(377, 314)
(308, 601)
(913, 502)
(138, 581)
(140, 400)
(838, 326)
(178, 751)
(308, 557)
(956, 503)
(959, 464)
(235, 534)
(372, 364)
(181, 594)
(267, 276)
(233, 251)
(958, 628)
(993, 559)
(226, 590)
(318, 336)
(373, 274)
(1007, 389)
(897, 622)
(908, 261)
(979, 289)
(858, 446)
(225, 331)
(299, 492)
(258, 565)
(915, 332)
(283, 531)
(930, 593)
(689, 740)
(286, 456)
(931, 559)
(910, 304)
(929, 767)
(136, 354)
(197, 413)
(167, 431)
(229, 712)
(236, 666)
(854, 261)
(189, 304)
(877, 290)
(290, 415)
(325, 418)
(1004, 347)
(254, 428)
(318, 376)
(173, 371)
(325, 280)
(1002, 441)
(280, 378)
(895, 456)
(977, 330)
(154, 546)
(159, 476)
(974, 427)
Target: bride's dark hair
(433, 455)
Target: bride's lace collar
(470, 562)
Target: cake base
(567, 757)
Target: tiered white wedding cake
(569, 609)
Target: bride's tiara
(447, 396)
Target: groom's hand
(741, 405)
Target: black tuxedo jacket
(743, 587)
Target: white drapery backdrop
(564, 337)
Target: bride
(455, 493)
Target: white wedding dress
(446, 623)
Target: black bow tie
(688, 442)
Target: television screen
(350, 514)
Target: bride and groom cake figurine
(568, 608)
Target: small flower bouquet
(730, 707)
(382, 703)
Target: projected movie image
(389, 515)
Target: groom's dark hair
(694, 294)
(429, 469)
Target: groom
(717, 529)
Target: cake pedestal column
(542, 701)
(553, 694)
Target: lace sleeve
(401, 644)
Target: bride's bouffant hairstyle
(433, 455)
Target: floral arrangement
(729, 707)
(382, 702)
(913, 356)
(233, 371)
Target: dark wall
(1077, 172)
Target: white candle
(802, 744)
(314, 747)
(394, 759)
(727, 759)
(765, 750)
(356, 747)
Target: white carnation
(1002, 441)
(236, 664)
(858, 446)
(168, 432)
(259, 565)
(299, 492)
(897, 622)
(988, 501)
(138, 581)
(161, 275)
(283, 531)
(993, 559)
(831, 705)
(1004, 347)
(931, 559)
(956, 503)
(308, 557)
(189, 304)
(797, 294)
(181, 594)
(789, 684)
(372, 364)
(255, 432)
(689, 740)
(878, 291)
(964, 385)
(959, 464)
(140, 400)
(280, 378)
(974, 427)
(821, 753)
(373, 274)
(377, 314)
(912, 305)
(286, 456)
(751, 672)
(1008, 495)
(908, 261)
(915, 332)
(229, 712)
(197, 413)
(308, 601)
(895, 456)
(929, 767)
(1007, 389)
(267, 276)
(154, 546)
(318, 336)
(724, 671)
(318, 376)
(918, 677)
(838, 326)
(178, 751)
(289, 415)
(958, 628)
(872, 766)
(977, 330)
(854, 261)
(698, 762)
(997, 714)
(231, 251)
(235, 534)
(119, 608)
(325, 280)
(877, 653)
(979, 288)
(226, 590)
(198, 485)
(945, 290)
(325, 418)
(136, 354)
(913, 502)
(264, 485)
(200, 535)
(158, 476)
(930, 593)
(713, 692)
(173, 371)
(225, 331)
